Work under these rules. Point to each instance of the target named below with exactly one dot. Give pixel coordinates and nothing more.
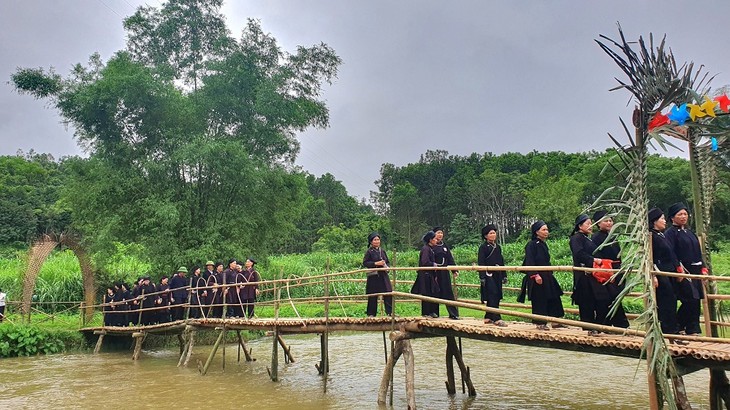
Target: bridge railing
(299, 294)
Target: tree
(191, 170)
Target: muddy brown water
(505, 376)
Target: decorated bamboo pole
(325, 344)
(392, 319)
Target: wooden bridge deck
(690, 357)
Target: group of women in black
(124, 305)
(675, 249)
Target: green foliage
(22, 340)
(197, 170)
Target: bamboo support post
(288, 357)
(181, 342)
(138, 340)
(410, 374)
(242, 344)
(223, 353)
(274, 371)
(450, 380)
(212, 352)
(99, 341)
(191, 343)
(465, 373)
(387, 379)
(325, 336)
(680, 394)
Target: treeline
(513, 190)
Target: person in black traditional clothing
(664, 260)
(148, 302)
(134, 303)
(610, 252)
(229, 276)
(248, 292)
(686, 247)
(215, 294)
(541, 287)
(377, 281)
(109, 308)
(198, 293)
(121, 294)
(490, 254)
(426, 283)
(163, 300)
(236, 309)
(443, 257)
(590, 295)
(179, 293)
(209, 270)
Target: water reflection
(505, 376)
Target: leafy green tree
(555, 201)
(191, 135)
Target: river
(505, 376)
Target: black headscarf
(372, 236)
(598, 215)
(578, 221)
(675, 208)
(536, 227)
(428, 236)
(654, 214)
(487, 229)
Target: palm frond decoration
(655, 82)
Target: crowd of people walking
(204, 292)
(675, 249)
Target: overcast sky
(464, 76)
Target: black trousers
(493, 302)
(447, 292)
(688, 316)
(372, 309)
(248, 305)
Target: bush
(21, 340)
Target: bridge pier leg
(242, 345)
(99, 341)
(185, 355)
(288, 358)
(274, 371)
(395, 354)
(719, 390)
(212, 352)
(324, 362)
(453, 352)
(138, 339)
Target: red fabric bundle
(603, 276)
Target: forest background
(191, 140)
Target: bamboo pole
(99, 341)
(288, 357)
(325, 345)
(212, 352)
(465, 373)
(246, 352)
(410, 374)
(387, 379)
(392, 319)
(274, 372)
(191, 343)
(450, 380)
(139, 338)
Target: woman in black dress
(591, 296)
(426, 283)
(377, 281)
(541, 287)
(665, 260)
(443, 257)
(109, 309)
(610, 252)
(686, 247)
(490, 254)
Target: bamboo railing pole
(326, 360)
(392, 322)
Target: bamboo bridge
(693, 354)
